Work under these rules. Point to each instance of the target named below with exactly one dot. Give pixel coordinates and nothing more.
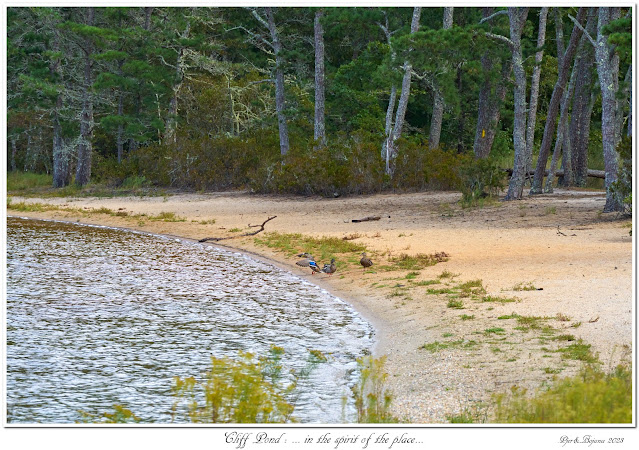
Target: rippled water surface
(98, 316)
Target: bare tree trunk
(606, 73)
(319, 131)
(583, 102)
(405, 93)
(517, 17)
(438, 102)
(14, 150)
(170, 135)
(555, 100)
(60, 156)
(83, 169)
(534, 89)
(491, 96)
(279, 83)
(563, 139)
(390, 110)
(630, 102)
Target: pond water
(99, 316)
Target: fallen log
(560, 173)
(366, 219)
(215, 239)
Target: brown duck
(366, 262)
(330, 268)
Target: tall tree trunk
(555, 100)
(405, 93)
(319, 130)
(491, 96)
(606, 72)
(388, 129)
(390, 110)
(583, 102)
(562, 143)
(517, 17)
(280, 104)
(14, 150)
(534, 89)
(60, 156)
(170, 136)
(83, 169)
(630, 102)
(438, 101)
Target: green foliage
(480, 178)
(372, 397)
(120, 414)
(19, 181)
(243, 390)
(591, 397)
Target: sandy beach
(441, 359)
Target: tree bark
(390, 110)
(60, 156)
(555, 99)
(562, 143)
(517, 17)
(83, 169)
(606, 72)
(438, 101)
(491, 97)
(14, 150)
(170, 136)
(319, 130)
(405, 93)
(280, 105)
(583, 101)
(534, 88)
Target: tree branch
(501, 38)
(492, 16)
(583, 30)
(240, 235)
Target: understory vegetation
(257, 389)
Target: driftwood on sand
(240, 235)
(366, 219)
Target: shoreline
(439, 364)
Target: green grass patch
(447, 274)
(497, 299)
(166, 216)
(494, 330)
(466, 317)
(322, 248)
(426, 283)
(419, 261)
(473, 287)
(19, 181)
(411, 275)
(524, 287)
(578, 351)
(440, 291)
(531, 322)
(437, 346)
(455, 304)
(510, 316)
(590, 397)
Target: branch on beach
(366, 219)
(215, 239)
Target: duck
(314, 267)
(330, 268)
(366, 262)
(306, 260)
